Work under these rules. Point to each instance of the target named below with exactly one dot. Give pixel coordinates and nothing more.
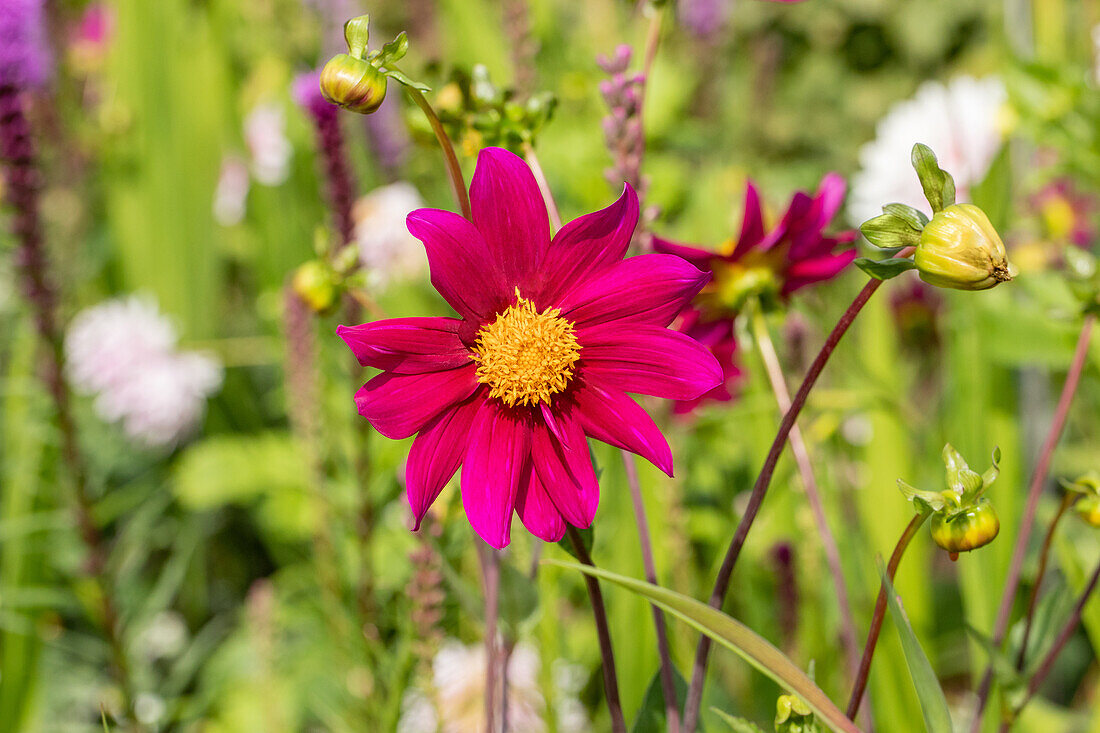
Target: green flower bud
(793, 715)
(973, 527)
(315, 284)
(1088, 508)
(960, 249)
(354, 84)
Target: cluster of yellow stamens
(526, 357)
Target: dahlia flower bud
(959, 248)
(1087, 504)
(966, 530)
(962, 519)
(793, 715)
(352, 83)
(315, 283)
(1088, 509)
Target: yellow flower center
(525, 356)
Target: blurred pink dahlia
(551, 335)
(763, 265)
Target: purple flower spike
(24, 54)
(306, 91)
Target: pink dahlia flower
(551, 336)
(763, 265)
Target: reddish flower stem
(1044, 557)
(1060, 642)
(668, 682)
(760, 489)
(454, 170)
(603, 633)
(490, 573)
(23, 184)
(809, 483)
(880, 614)
(1035, 490)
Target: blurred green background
(263, 586)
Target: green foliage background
(295, 592)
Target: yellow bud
(967, 530)
(353, 84)
(960, 249)
(313, 282)
(1088, 508)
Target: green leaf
(399, 77)
(960, 478)
(519, 597)
(1004, 665)
(913, 217)
(651, 715)
(586, 539)
(734, 635)
(888, 230)
(884, 269)
(923, 500)
(937, 716)
(993, 471)
(737, 725)
(395, 50)
(356, 33)
(938, 185)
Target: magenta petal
(752, 223)
(398, 405)
(812, 271)
(509, 212)
(609, 415)
(463, 270)
(435, 456)
(537, 511)
(495, 465)
(829, 197)
(701, 258)
(644, 289)
(648, 360)
(407, 345)
(565, 468)
(588, 244)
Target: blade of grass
(937, 716)
(734, 635)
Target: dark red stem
(880, 614)
(1035, 490)
(760, 489)
(603, 633)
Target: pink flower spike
(550, 335)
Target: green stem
(454, 170)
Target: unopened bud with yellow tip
(962, 519)
(972, 527)
(1087, 504)
(354, 84)
(959, 248)
(793, 715)
(315, 283)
